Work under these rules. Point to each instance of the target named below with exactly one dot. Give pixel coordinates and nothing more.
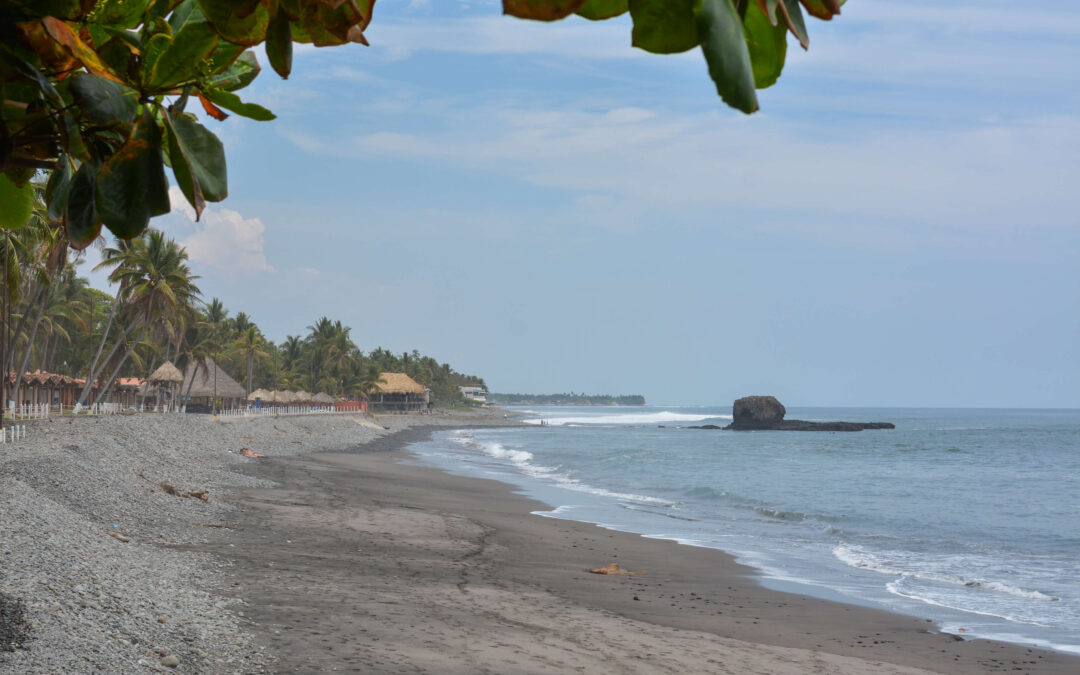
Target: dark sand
(360, 563)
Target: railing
(287, 409)
(28, 411)
(12, 434)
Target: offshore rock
(765, 413)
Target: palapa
(167, 373)
(398, 383)
(208, 381)
(260, 394)
(323, 397)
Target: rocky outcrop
(765, 413)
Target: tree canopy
(96, 92)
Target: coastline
(416, 568)
(334, 554)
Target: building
(203, 383)
(476, 394)
(399, 393)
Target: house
(40, 387)
(399, 393)
(205, 382)
(477, 394)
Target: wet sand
(360, 563)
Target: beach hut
(260, 395)
(202, 384)
(399, 393)
(322, 398)
(163, 382)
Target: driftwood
(201, 495)
(613, 568)
(119, 537)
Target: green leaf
(33, 74)
(664, 26)
(598, 10)
(541, 10)
(232, 103)
(725, 50)
(131, 186)
(56, 190)
(198, 161)
(241, 22)
(180, 61)
(80, 214)
(104, 101)
(793, 17)
(120, 13)
(186, 11)
(279, 44)
(16, 204)
(767, 44)
(238, 75)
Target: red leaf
(211, 109)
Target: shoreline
(420, 552)
(330, 553)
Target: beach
(335, 551)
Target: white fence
(252, 411)
(12, 434)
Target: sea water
(968, 517)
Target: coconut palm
(250, 345)
(159, 290)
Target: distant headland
(566, 399)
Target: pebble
(171, 661)
(95, 606)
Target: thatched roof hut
(167, 373)
(260, 394)
(323, 397)
(399, 383)
(209, 381)
(283, 396)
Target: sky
(546, 207)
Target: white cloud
(222, 239)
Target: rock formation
(752, 413)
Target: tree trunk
(250, 366)
(93, 373)
(30, 339)
(101, 345)
(13, 344)
(123, 360)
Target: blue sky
(544, 206)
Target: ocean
(968, 517)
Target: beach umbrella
(260, 394)
(285, 396)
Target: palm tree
(160, 289)
(250, 346)
(369, 378)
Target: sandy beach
(334, 553)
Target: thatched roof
(167, 373)
(302, 397)
(282, 396)
(260, 394)
(205, 384)
(399, 383)
(323, 397)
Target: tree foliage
(97, 91)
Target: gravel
(75, 599)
